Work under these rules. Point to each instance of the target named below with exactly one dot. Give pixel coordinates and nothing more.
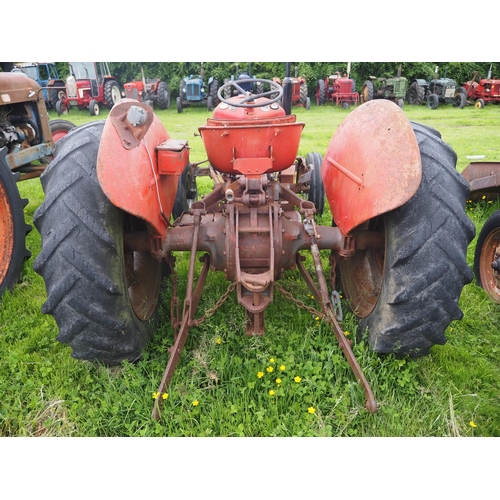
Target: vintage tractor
(438, 90)
(46, 75)
(108, 237)
(483, 91)
(247, 87)
(192, 90)
(391, 88)
(89, 86)
(27, 144)
(337, 89)
(149, 90)
(298, 90)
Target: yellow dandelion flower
(196, 402)
(260, 374)
(297, 379)
(472, 424)
(346, 333)
(165, 396)
(317, 318)
(269, 369)
(271, 360)
(155, 395)
(271, 393)
(282, 368)
(218, 340)
(483, 198)
(311, 409)
(278, 381)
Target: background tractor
(248, 87)
(390, 88)
(89, 86)
(337, 89)
(438, 90)
(483, 91)
(109, 238)
(192, 90)
(299, 90)
(149, 90)
(27, 144)
(46, 75)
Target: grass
(216, 390)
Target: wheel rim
(96, 109)
(115, 94)
(362, 276)
(59, 134)
(7, 232)
(490, 251)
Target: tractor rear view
(27, 144)
(152, 91)
(109, 238)
(299, 90)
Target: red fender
(131, 168)
(372, 164)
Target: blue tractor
(45, 74)
(193, 90)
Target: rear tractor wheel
(416, 94)
(13, 229)
(320, 93)
(366, 93)
(163, 96)
(406, 293)
(102, 295)
(111, 93)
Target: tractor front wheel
(94, 108)
(432, 101)
(406, 292)
(13, 229)
(102, 295)
(479, 104)
(487, 257)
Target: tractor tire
(303, 94)
(316, 188)
(479, 104)
(416, 94)
(187, 192)
(163, 96)
(459, 101)
(366, 93)
(308, 103)
(345, 105)
(209, 103)
(111, 93)
(432, 101)
(56, 95)
(179, 105)
(320, 93)
(407, 293)
(60, 128)
(13, 251)
(213, 89)
(400, 102)
(94, 108)
(103, 298)
(61, 109)
(488, 251)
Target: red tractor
(108, 236)
(89, 86)
(299, 90)
(337, 89)
(149, 90)
(483, 91)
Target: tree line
(173, 72)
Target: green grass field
(216, 390)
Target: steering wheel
(247, 102)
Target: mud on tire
(424, 268)
(94, 287)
